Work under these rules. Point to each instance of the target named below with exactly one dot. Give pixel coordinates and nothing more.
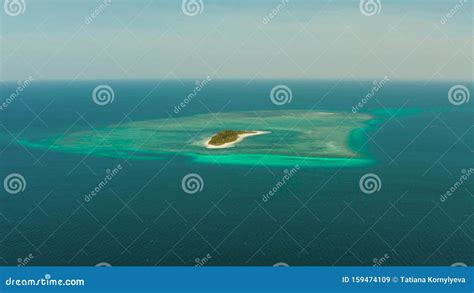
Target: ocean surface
(81, 207)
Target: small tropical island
(228, 138)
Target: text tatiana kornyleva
(404, 279)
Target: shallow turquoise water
(143, 216)
(316, 139)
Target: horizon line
(244, 79)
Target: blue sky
(137, 39)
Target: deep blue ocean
(422, 145)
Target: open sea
(421, 146)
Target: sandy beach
(231, 144)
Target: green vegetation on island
(227, 136)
